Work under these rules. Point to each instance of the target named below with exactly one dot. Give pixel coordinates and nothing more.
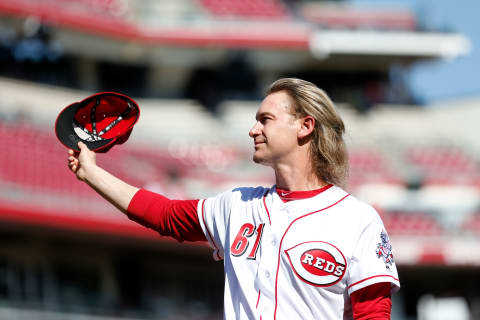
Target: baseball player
(301, 249)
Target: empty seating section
(444, 166)
(32, 159)
(264, 9)
(370, 166)
(113, 8)
(414, 224)
(472, 224)
(340, 16)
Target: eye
(264, 120)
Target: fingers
(72, 152)
(71, 158)
(72, 161)
(75, 158)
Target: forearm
(116, 191)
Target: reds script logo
(317, 263)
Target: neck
(295, 171)
(297, 178)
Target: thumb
(86, 156)
(85, 152)
(82, 146)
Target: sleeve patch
(384, 250)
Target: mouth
(258, 143)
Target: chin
(259, 159)
(256, 159)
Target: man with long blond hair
(301, 249)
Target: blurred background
(404, 75)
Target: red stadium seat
(444, 166)
(472, 224)
(415, 224)
(369, 166)
(266, 9)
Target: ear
(307, 125)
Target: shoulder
(360, 210)
(250, 193)
(243, 194)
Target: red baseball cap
(100, 121)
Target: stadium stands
(263, 9)
(332, 15)
(444, 166)
(370, 166)
(177, 146)
(34, 161)
(412, 224)
(472, 224)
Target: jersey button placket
(266, 282)
(273, 241)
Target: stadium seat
(472, 224)
(266, 9)
(444, 166)
(408, 223)
(341, 16)
(370, 166)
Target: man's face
(275, 132)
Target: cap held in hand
(100, 121)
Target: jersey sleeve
(213, 214)
(175, 218)
(373, 259)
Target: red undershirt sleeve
(175, 218)
(373, 302)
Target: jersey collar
(288, 195)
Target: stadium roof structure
(137, 31)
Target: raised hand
(80, 162)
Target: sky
(440, 80)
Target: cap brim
(64, 129)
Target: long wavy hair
(328, 150)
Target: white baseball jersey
(296, 260)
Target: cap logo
(317, 263)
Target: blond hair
(327, 148)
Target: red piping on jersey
(382, 275)
(258, 299)
(208, 231)
(266, 209)
(280, 248)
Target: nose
(255, 131)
